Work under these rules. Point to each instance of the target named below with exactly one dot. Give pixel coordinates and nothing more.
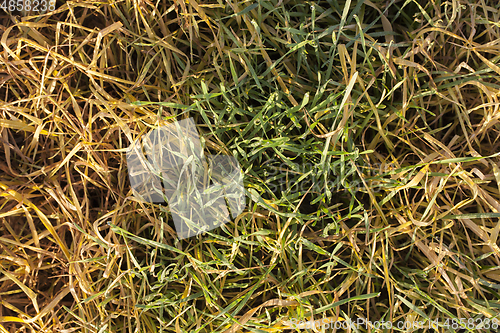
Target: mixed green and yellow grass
(368, 133)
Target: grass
(368, 134)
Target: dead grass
(368, 134)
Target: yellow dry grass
(395, 101)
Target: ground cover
(367, 132)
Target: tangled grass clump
(367, 131)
